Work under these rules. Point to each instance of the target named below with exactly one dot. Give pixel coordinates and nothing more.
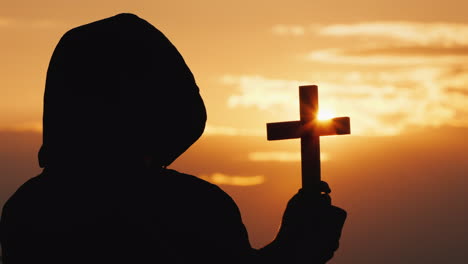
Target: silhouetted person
(120, 105)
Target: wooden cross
(309, 129)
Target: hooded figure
(120, 104)
(117, 89)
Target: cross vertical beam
(310, 141)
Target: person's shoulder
(187, 181)
(213, 198)
(26, 194)
(29, 186)
(200, 188)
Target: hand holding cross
(309, 129)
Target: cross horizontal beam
(295, 129)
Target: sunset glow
(398, 69)
(224, 179)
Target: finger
(325, 199)
(324, 187)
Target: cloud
(425, 34)
(412, 50)
(224, 179)
(214, 130)
(281, 156)
(458, 91)
(389, 43)
(405, 32)
(404, 74)
(378, 102)
(261, 92)
(386, 57)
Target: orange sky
(398, 68)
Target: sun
(325, 114)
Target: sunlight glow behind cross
(325, 114)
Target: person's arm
(310, 231)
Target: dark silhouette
(120, 105)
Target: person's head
(117, 90)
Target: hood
(118, 90)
